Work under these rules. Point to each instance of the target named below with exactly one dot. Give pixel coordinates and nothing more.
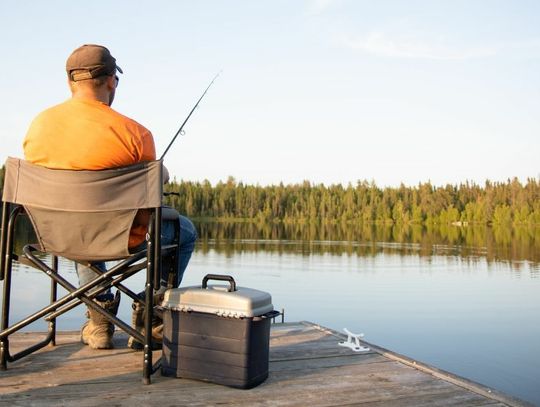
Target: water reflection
(514, 246)
(517, 247)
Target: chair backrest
(83, 215)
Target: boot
(137, 321)
(97, 332)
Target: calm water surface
(449, 305)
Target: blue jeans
(188, 237)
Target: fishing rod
(181, 129)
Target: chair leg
(8, 229)
(149, 304)
(153, 277)
(148, 345)
(4, 343)
(8, 232)
(54, 292)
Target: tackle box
(217, 333)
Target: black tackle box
(217, 333)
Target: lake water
(471, 307)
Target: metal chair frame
(113, 277)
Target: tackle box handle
(220, 277)
(269, 315)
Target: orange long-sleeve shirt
(84, 134)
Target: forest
(500, 203)
(494, 203)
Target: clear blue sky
(322, 90)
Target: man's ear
(111, 82)
(70, 85)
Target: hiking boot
(137, 321)
(97, 332)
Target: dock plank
(307, 367)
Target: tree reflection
(496, 243)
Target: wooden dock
(307, 368)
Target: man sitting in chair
(84, 133)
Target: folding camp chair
(83, 216)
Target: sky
(330, 91)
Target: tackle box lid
(227, 301)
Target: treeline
(502, 203)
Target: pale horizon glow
(329, 91)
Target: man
(84, 133)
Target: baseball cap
(94, 60)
